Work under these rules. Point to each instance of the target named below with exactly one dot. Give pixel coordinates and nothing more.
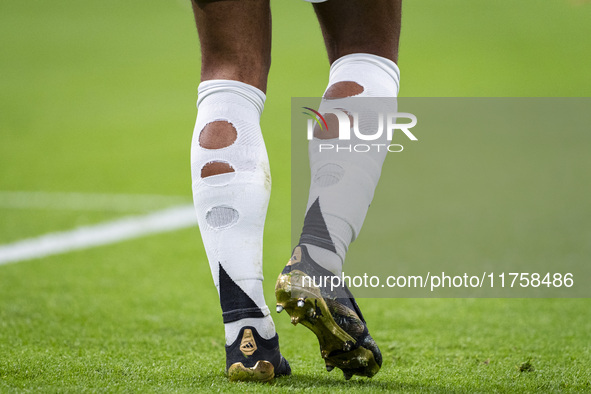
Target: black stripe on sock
(315, 231)
(236, 304)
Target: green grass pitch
(99, 97)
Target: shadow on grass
(337, 382)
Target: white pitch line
(170, 219)
(87, 201)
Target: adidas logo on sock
(248, 345)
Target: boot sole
(262, 371)
(337, 347)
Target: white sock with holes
(231, 207)
(343, 185)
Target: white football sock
(231, 207)
(343, 184)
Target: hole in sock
(332, 121)
(216, 168)
(343, 89)
(217, 135)
(221, 217)
(337, 90)
(328, 175)
(219, 180)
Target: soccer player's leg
(231, 177)
(361, 38)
